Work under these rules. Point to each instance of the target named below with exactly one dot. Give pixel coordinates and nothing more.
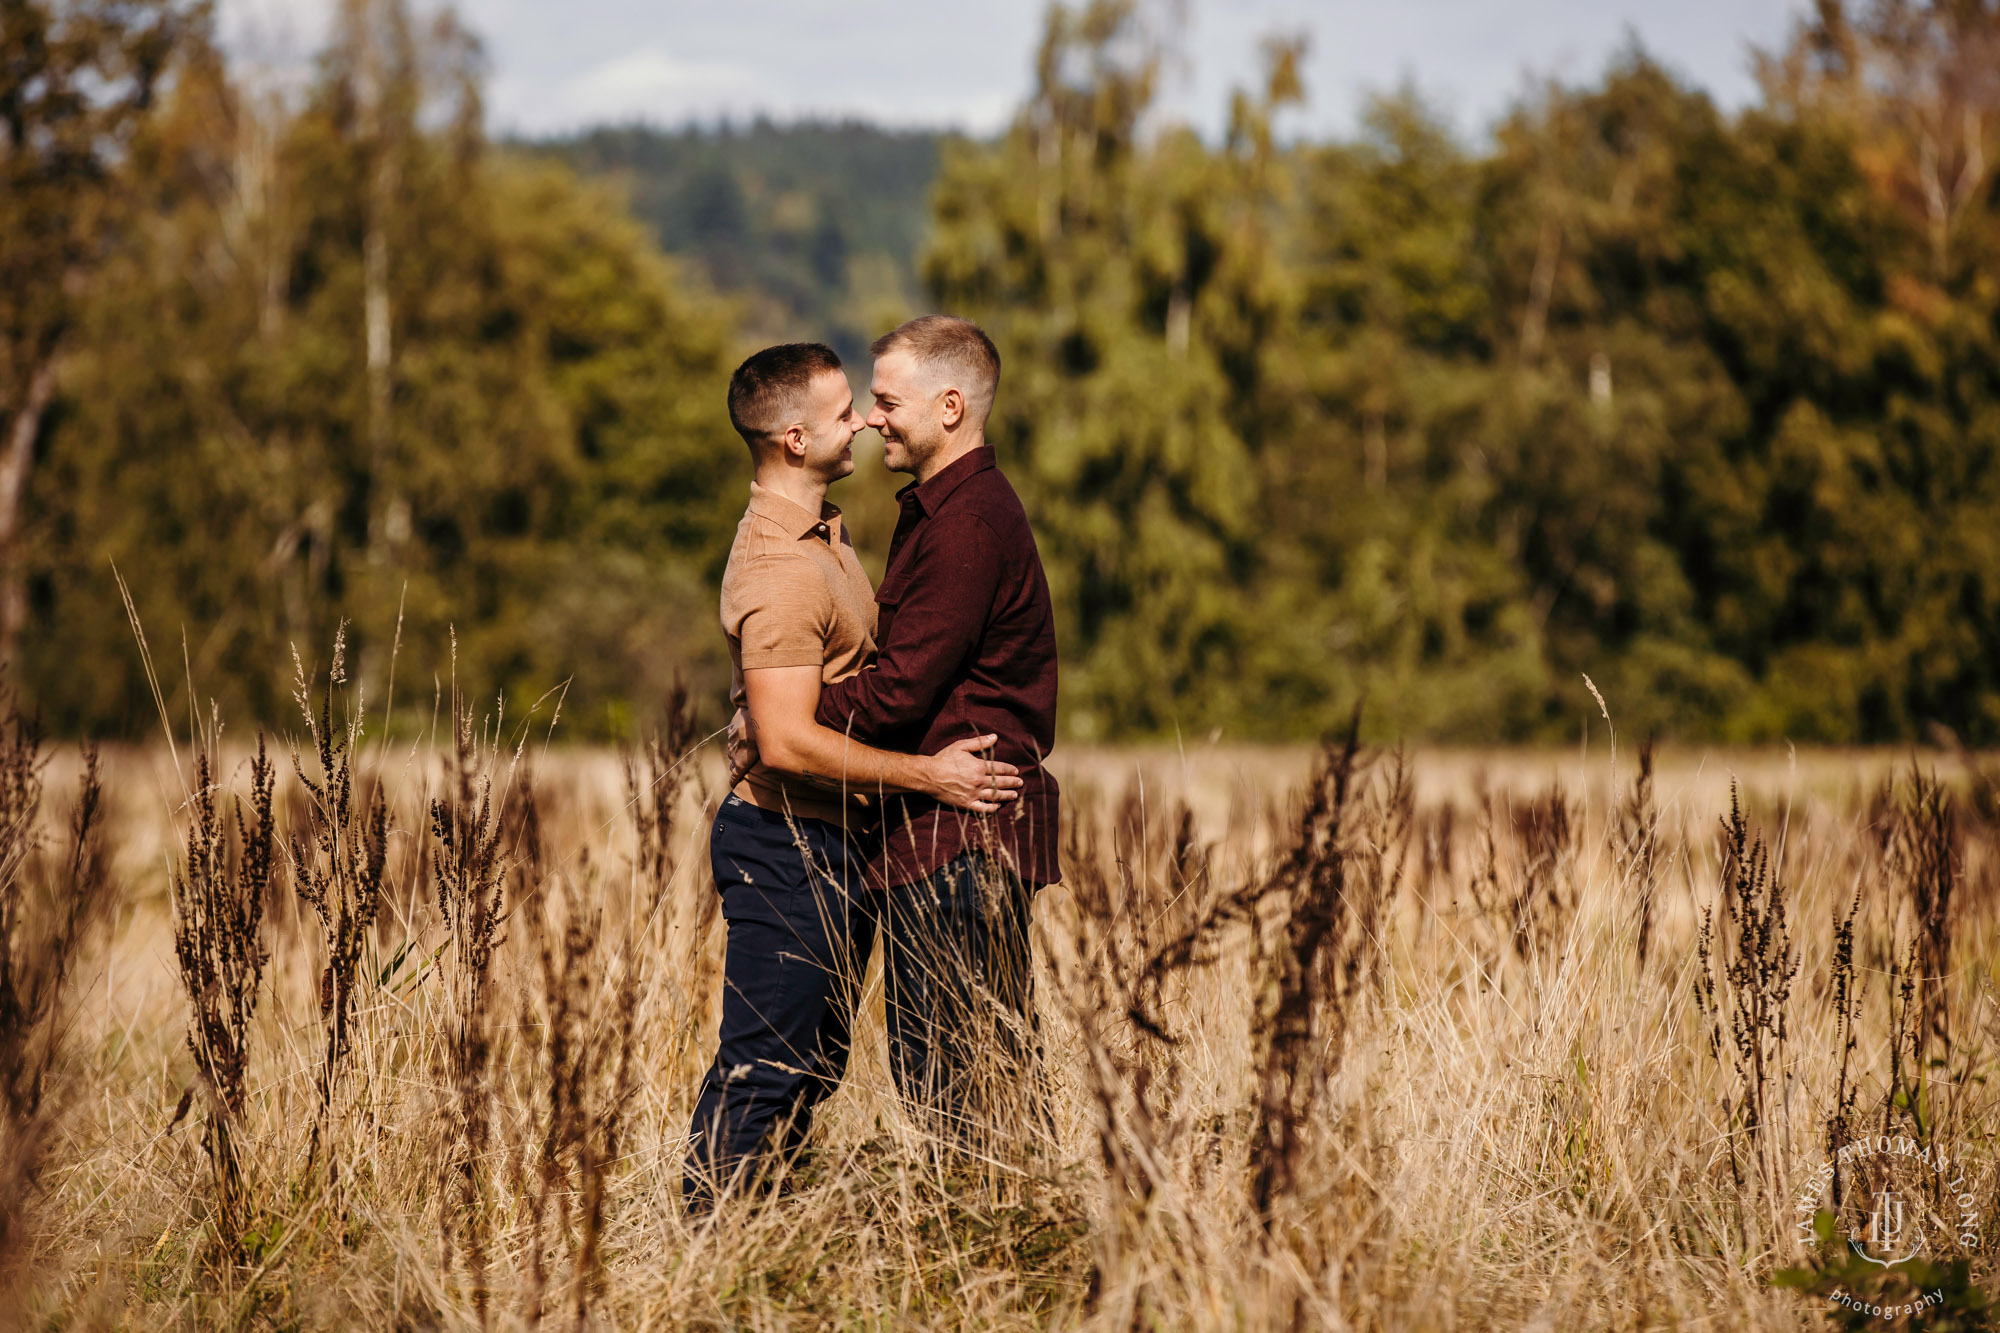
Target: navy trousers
(956, 977)
(799, 938)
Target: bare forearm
(780, 724)
(835, 760)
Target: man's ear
(952, 410)
(793, 441)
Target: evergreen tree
(358, 365)
(1100, 261)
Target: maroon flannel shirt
(967, 645)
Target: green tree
(1874, 601)
(76, 84)
(1212, 355)
(1388, 479)
(358, 365)
(1096, 258)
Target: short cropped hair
(766, 388)
(952, 345)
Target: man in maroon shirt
(967, 647)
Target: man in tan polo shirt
(792, 840)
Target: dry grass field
(1450, 1040)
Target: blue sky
(558, 64)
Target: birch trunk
(15, 464)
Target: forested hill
(815, 227)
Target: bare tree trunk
(1541, 287)
(15, 465)
(389, 519)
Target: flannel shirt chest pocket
(895, 584)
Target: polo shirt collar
(793, 518)
(930, 494)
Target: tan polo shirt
(793, 594)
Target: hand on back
(966, 776)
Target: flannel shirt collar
(928, 495)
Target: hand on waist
(741, 746)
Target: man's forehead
(832, 385)
(895, 368)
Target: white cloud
(273, 40)
(644, 84)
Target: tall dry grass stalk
(1748, 963)
(220, 887)
(469, 865)
(1921, 853)
(1644, 860)
(53, 892)
(588, 1002)
(679, 912)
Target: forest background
(1704, 405)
